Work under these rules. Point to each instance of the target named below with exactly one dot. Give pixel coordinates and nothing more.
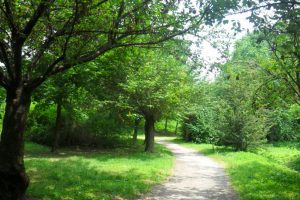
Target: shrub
(224, 124)
(201, 126)
(244, 129)
(99, 128)
(40, 124)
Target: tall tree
(155, 87)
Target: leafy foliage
(156, 85)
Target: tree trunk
(146, 136)
(166, 126)
(56, 137)
(176, 128)
(135, 130)
(13, 179)
(149, 133)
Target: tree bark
(166, 126)
(135, 130)
(56, 137)
(149, 132)
(146, 135)
(176, 128)
(13, 179)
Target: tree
(280, 29)
(156, 86)
(57, 91)
(137, 119)
(244, 125)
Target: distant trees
(248, 103)
(259, 82)
(57, 92)
(89, 116)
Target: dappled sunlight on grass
(255, 177)
(160, 127)
(96, 175)
(287, 154)
(206, 149)
(265, 173)
(167, 138)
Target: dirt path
(194, 177)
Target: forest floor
(195, 176)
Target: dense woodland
(96, 74)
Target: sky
(210, 55)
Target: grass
(270, 172)
(121, 173)
(160, 126)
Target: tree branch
(3, 50)
(50, 39)
(10, 18)
(268, 5)
(35, 17)
(4, 80)
(62, 63)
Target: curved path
(194, 177)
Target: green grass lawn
(101, 174)
(268, 172)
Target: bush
(243, 129)
(188, 121)
(200, 127)
(223, 124)
(40, 124)
(99, 128)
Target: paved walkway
(195, 176)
